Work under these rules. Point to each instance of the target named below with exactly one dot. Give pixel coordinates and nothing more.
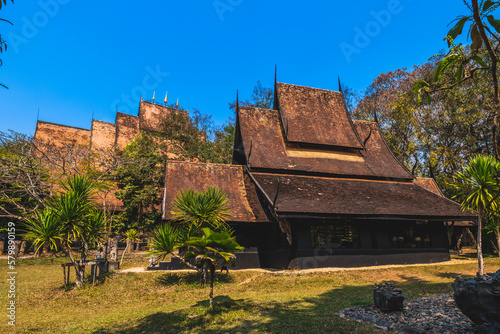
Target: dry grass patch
(246, 301)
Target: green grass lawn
(246, 301)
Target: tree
(440, 135)
(478, 185)
(130, 236)
(70, 217)
(25, 183)
(206, 251)
(140, 178)
(193, 211)
(482, 28)
(196, 137)
(211, 248)
(262, 97)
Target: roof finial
(237, 100)
(165, 100)
(375, 116)
(154, 92)
(340, 86)
(275, 103)
(177, 103)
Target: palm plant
(166, 240)
(479, 185)
(210, 249)
(130, 236)
(196, 210)
(69, 216)
(193, 211)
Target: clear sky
(68, 59)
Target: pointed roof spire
(275, 104)
(375, 118)
(340, 86)
(154, 92)
(165, 100)
(237, 100)
(177, 103)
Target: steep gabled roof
(243, 201)
(338, 197)
(315, 116)
(266, 148)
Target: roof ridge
(309, 87)
(203, 163)
(64, 125)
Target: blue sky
(70, 59)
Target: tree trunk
(212, 279)
(124, 251)
(204, 274)
(497, 236)
(480, 260)
(79, 271)
(493, 72)
(459, 241)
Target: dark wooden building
(311, 187)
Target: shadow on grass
(306, 315)
(315, 314)
(189, 278)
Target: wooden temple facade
(311, 187)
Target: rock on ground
(436, 314)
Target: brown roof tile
(315, 116)
(429, 184)
(264, 143)
(356, 198)
(243, 201)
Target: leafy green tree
(483, 31)
(140, 178)
(443, 134)
(196, 137)
(70, 217)
(492, 226)
(478, 185)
